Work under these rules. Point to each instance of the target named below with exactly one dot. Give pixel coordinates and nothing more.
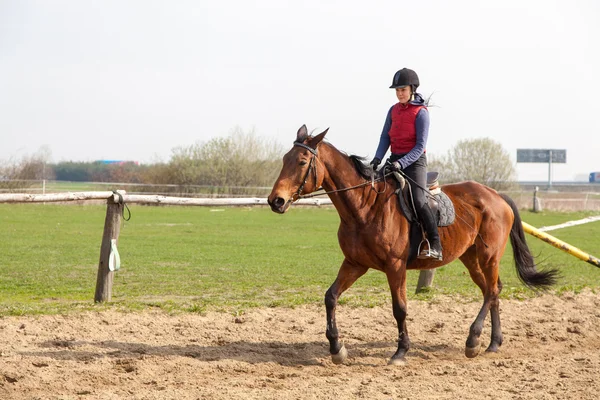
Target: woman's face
(403, 94)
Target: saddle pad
(439, 203)
(445, 210)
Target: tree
(482, 160)
(237, 161)
(22, 173)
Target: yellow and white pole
(559, 244)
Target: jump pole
(559, 244)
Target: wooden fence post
(112, 227)
(425, 279)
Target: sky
(85, 80)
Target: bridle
(313, 166)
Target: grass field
(230, 259)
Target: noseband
(311, 166)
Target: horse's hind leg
(495, 314)
(397, 281)
(473, 345)
(490, 265)
(483, 268)
(347, 275)
(470, 260)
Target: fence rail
(566, 198)
(201, 191)
(558, 201)
(121, 196)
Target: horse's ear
(314, 142)
(302, 134)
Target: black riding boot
(435, 249)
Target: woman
(405, 130)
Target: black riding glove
(375, 163)
(394, 166)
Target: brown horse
(373, 233)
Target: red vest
(403, 136)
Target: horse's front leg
(347, 275)
(397, 281)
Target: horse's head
(302, 171)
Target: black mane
(361, 166)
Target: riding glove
(394, 166)
(375, 163)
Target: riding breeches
(417, 178)
(417, 174)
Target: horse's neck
(340, 173)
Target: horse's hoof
(471, 352)
(493, 348)
(341, 356)
(399, 362)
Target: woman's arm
(384, 139)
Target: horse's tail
(524, 261)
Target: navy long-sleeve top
(421, 130)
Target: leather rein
(313, 166)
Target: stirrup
(428, 252)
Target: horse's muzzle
(278, 205)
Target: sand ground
(551, 350)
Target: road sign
(541, 156)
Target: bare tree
(482, 160)
(241, 159)
(22, 173)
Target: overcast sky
(131, 80)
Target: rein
(313, 165)
(385, 174)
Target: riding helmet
(405, 77)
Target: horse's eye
(303, 163)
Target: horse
(374, 233)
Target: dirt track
(551, 350)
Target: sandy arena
(551, 350)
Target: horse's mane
(359, 163)
(360, 166)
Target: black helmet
(405, 77)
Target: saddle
(440, 204)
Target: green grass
(229, 259)
(62, 186)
